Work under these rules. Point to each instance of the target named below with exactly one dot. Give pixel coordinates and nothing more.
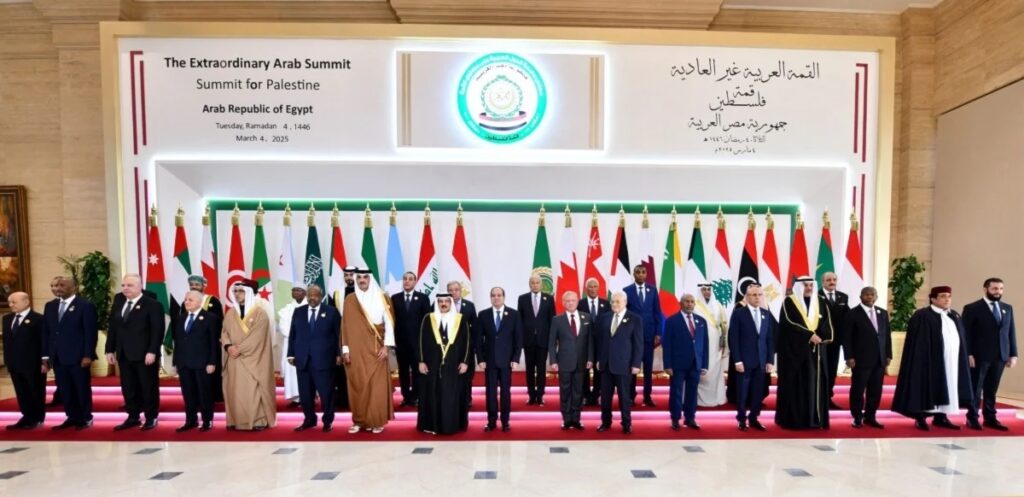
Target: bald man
(24, 333)
(134, 338)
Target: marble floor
(919, 467)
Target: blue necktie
(188, 324)
(312, 318)
(60, 312)
(497, 321)
(996, 314)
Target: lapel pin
(323, 314)
(27, 321)
(72, 308)
(137, 306)
(505, 313)
(202, 318)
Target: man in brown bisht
(249, 397)
(367, 335)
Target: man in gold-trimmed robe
(805, 333)
(444, 345)
(247, 338)
(367, 336)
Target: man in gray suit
(571, 350)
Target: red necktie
(572, 324)
(689, 323)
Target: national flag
(236, 259)
(647, 250)
(619, 275)
(798, 261)
(156, 282)
(181, 266)
(208, 258)
(260, 261)
(771, 283)
(568, 272)
(594, 256)
(313, 264)
(542, 257)
(394, 263)
(671, 272)
(285, 276)
(338, 261)
(720, 272)
(369, 251)
(427, 273)
(748, 259)
(852, 280)
(460, 270)
(826, 263)
(695, 271)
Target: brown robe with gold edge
(249, 396)
(369, 378)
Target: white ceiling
(882, 6)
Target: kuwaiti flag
(156, 281)
(394, 262)
(799, 264)
(671, 273)
(337, 263)
(236, 259)
(261, 262)
(720, 273)
(826, 261)
(695, 271)
(748, 259)
(460, 269)
(619, 276)
(568, 273)
(595, 255)
(771, 283)
(427, 273)
(208, 259)
(851, 281)
(647, 251)
(285, 276)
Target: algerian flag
(394, 263)
(542, 257)
(720, 274)
(369, 251)
(260, 261)
(285, 276)
(671, 273)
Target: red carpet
(528, 422)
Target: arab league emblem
(502, 98)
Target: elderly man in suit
(868, 351)
(752, 352)
(536, 309)
(24, 333)
(133, 342)
(572, 355)
(685, 347)
(497, 353)
(196, 347)
(991, 347)
(71, 328)
(618, 342)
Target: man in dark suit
(868, 350)
(214, 306)
(572, 355)
(618, 342)
(71, 328)
(642, 300)
(133, 343)
(536, 310)
(56, 291)
(685, 349)
(468, 311)
(24, 333)
(410, 306)
(497, 353)
(991, 346)
(595, 306)
(838, 307)
(196, 342)
(752, 352)
(314, 350)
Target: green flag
(542, 259)
(314, 265)
(261, 265)
(369, 251)
(826, 264)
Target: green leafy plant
(92, 271)
(904, 283)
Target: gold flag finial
(593, 216)
(458, 215)
(259, 214)
(367, 218)
(799, 221)
(393, 218)
(673, 217)
(335, 216)
(311, 216)
(751, 223)
(721, 218)
(426, 215)
(854, 224)
(206, 215)
(568, 217)
(696, 217)
(152, 216)
(826, 222)
(287, 215)
(622, 216)
(179, 218)
(235, 214)
(646, 223)
(769, 220)
(540, 221)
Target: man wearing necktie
(752, 353)
(196, 346)
(71, 327)
(313, 348)
(497, 353)
(991, 347)
(594, 305)
(410, 308)
(24, 332)
(536, 310)
(571, 352)
(868, 351)
(618, 342)
(643, 301)
(134, 339)
(838, 307)
(685, 349)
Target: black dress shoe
(65, 425)
(755, 424)
(675, 425)
(150, 424)
(506, 428)
(921, 424)
(565, 426)
(742, 425)
(32, 426)
(857, 423)
(293, 404)
(489, 427)
(996, 425)
(530, 402)
(974, 424)
(186, 427)
(626, 430)
(207, 425)
(944, 422)
(874, 423)
(20, 425)
(578, 426)
(327, 428)
(602, 428)
(648, 402)
(128, 423)
(692, 425)
(540, 402)
(305, 426)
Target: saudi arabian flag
(696, 270)
(369, 251)
(826, 263)
(261, 265)
(313, 272)
(671, 280)
(542, 259)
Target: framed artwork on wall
(14, 256)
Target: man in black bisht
(805, 333)
(934, 379)
(444, 346)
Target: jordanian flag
(261, 264)
(542, 258)
(156, 282)
(826, 262)
(671, 274)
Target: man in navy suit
(536, 310)
(685, 349)
(642, 300)
(752, 352)
(594, 305)
(24, 333)
(410, 306)
(868, 351)
(71, 328)
(617, 351)
(468, 311)
(572, 354)
(196, 345)
(991, 347)
(314, 350)
(497, 353)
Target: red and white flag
(427, 273)
(568, 272)
(236, 259)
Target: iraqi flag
(748, 260)
(720, 272)
(427, 273)
(771, 283)
(671, 274)
(568, 273)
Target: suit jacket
(602, 307)
(468, 311)
(140, 334)
(869, 347)
(839, 311)
(622, 352)
(752, 345)
(536, 329)
(407, 321)
(571, 351)
(680, 350)
(649, 310)
(74, 337)
(23, 348)
(988, 340)
(499, 348)
(316, 349)
(199, 347)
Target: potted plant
(904, 283)
(93, 274)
